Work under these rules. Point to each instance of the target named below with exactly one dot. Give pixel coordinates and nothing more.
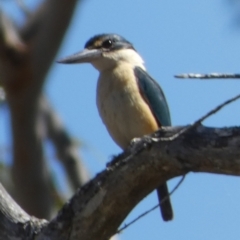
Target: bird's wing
(154, 96)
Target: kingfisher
(129, 101)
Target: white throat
(112, 59)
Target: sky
(172, 37)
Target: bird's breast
(121, 106)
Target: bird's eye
(107, 44)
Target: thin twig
(196, 123)
(209, 75)
(153, 208)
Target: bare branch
(22, 78)
(209, 75)
(14, 222)
(106, 195)
(200, 120)
(67, 150)
(10, 38)
(45, 30)
(29, 171)
(126, 178)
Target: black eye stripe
(107, 43)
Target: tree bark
(99, 207)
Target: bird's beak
(85, 56)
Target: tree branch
(45, 31)
(25, 57)
(30, 175)
(66, 149)
(134, 177)
(14, 222)
(209, 75)
(131, 176)
(9, 37)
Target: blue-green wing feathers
(154, 96)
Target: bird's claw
(134, 141)
(139, 143)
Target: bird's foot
(145, 139)
(138, 144)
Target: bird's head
(105, 51)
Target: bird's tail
(165, 203)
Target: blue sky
(172, 37)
